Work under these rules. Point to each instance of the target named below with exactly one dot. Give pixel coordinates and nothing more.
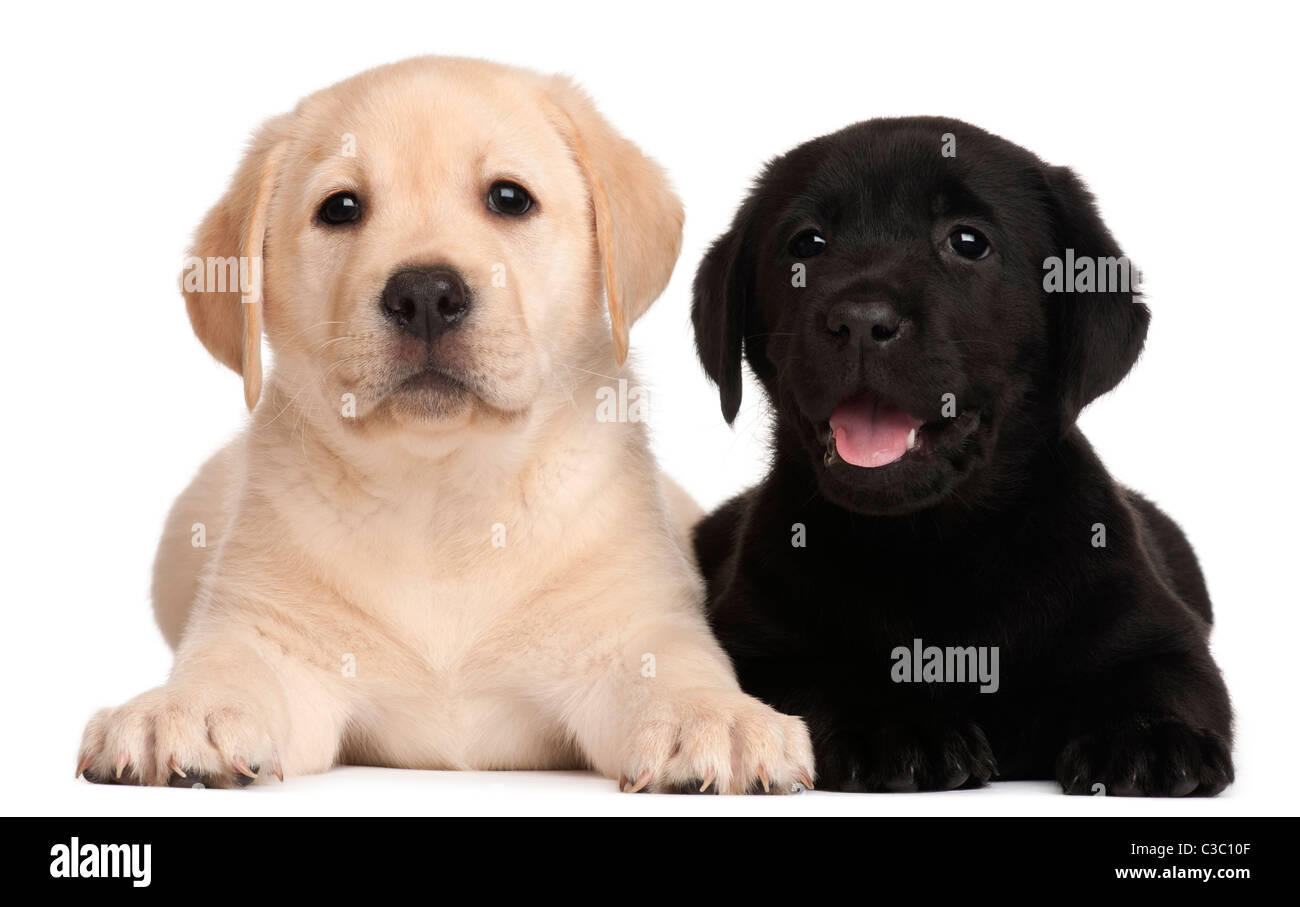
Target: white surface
(122, 128)
(375, 791)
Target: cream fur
(350, 605)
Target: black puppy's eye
(807, 243)
(510, 198)
(968, 243)
(340, 208)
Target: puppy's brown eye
(340, 208)
(509, 198)
(807, 243)
(968, 243)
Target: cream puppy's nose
(425, 302)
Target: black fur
(984, 536)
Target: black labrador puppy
(938, 573)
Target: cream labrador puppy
(430, 549)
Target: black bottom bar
(326, 856)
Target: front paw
(715, 741)
(906, 757)
(1166, 759)
(179, 738)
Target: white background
(122, 126)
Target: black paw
(1158, 760)
(899, 758)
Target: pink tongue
(869, 432)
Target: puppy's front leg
(662, 711)
(236, 707)
(1158, 727)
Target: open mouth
(869, 432)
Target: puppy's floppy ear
(638, 217)
(1098, 335)
(222, 285)
(722, 293)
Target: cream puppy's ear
(222, 282)
(638, 216)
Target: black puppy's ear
(1099, 334)
(722, 293)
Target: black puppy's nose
(425, 301)
(865, 323)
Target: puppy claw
(803, 779)
(642, 780)
(707, 781)
(240, 765)
(120, 765)
(175, 767)
(766, 782)
(83, 763)
(276, 767)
